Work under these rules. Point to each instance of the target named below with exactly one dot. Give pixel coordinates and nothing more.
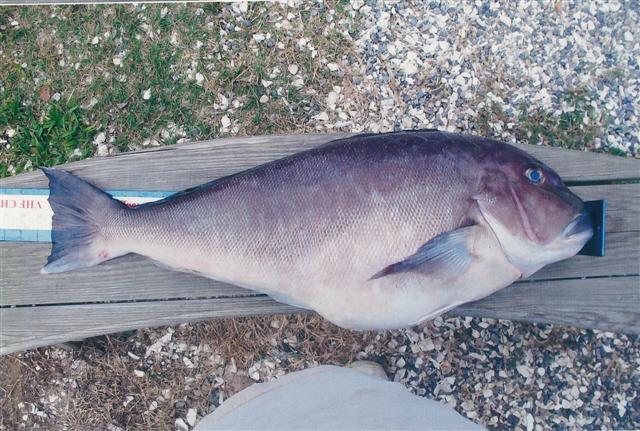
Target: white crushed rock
(191, 416)
(100, 138)
(180, 425)
(439, 65)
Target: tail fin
(79, 211)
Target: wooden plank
(623, 204)
(622, 258)
(607, 303)
(21, 282)
(28, 327)
(611, 304)
(126, 278)
(178, 167)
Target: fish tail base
(79, 211)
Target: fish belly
(406, 299)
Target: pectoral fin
(446, 254)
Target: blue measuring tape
(25, 214)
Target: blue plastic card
(597, 211)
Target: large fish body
(372, 232)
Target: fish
(373, 232)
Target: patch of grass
(60, 134)
(103, 58)
(487, 118)
(575, 128)
(617, 152)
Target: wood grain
(611, 304)
(123, 279)
(28, 327)
(181, 166)
(623, 204)
(563, 302)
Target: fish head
(534, 215)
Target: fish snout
(580, 226)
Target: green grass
(161, 49)
(60, 135)
(576, 129)
(617, 152)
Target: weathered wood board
(130, 292)
(612, 303)
(544, 302)
(27, 327)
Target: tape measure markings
(25, 214)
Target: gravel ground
(448, 64)
(546, 73)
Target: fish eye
(535, 175)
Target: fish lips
(581, 226)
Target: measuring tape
(25, 214)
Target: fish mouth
(580, 226)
